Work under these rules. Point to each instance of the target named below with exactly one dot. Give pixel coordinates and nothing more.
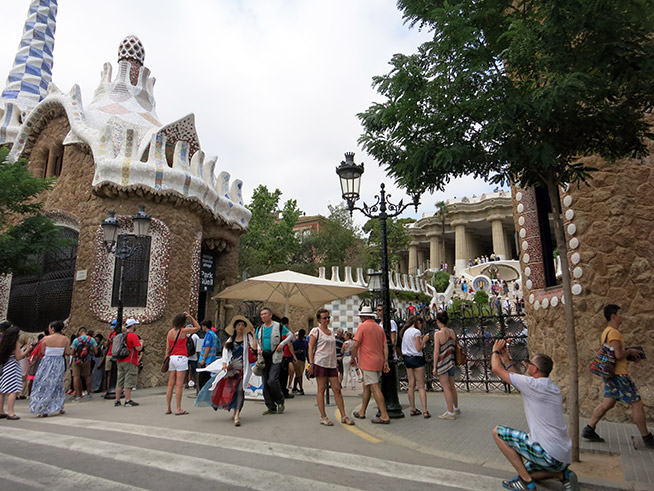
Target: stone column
(52, 162)
(413, 258)
(435, 256)
(421, 259)
(460, 246)
(499, 245)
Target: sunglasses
(325, 318)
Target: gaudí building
(112, 154)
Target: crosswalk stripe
(232, 474)
(360, 463)
(54, 477)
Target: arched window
(136, 271)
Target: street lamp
(110, 229)
(350, 176)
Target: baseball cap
(131, 322)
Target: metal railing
(477, 328)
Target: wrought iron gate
(476, 329)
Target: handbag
(252, 355)
(459, 354)
(306, 369)
(258, 367)
(166, 363)
(603, 364)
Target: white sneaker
(191, 384)
(447, 415)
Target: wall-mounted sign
(207, 271)
(81, 274)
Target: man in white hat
(128, 367)
(370, 351)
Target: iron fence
(477, 328)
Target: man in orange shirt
(620, 387)
(370, 350)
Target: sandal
(415, 412)
(60, 412)
(426, 415)
(358, 416)
(168, 412)
(237, 422)
(347, 421)
(379, 421)
(182, 413)
(42, 416)
(326, 422)
(13, 418)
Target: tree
(441, 280)
(24, 230)
(270, 242)
(339, 242)
(520, 91)
(398, 240)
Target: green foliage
(24, 231)
(481, 298)
(270, 242)
(520, 90)
(398, 240)
(441, 280)
(340, 243)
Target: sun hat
(366, 311)
(248, 325)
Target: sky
(275, 85)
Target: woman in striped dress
(11, 381)
(444, 365)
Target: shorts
(411, 361)
(128, 374)
(108, 362)
(82, 369)
(319, 371)
(371, 377)
(536, 458)
(178, 363)
(192, 366)
(622, 388)
(299, 367)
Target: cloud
(275, 85)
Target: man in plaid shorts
(546, 451)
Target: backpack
(190, 345)
(119, 349)
(83, 350)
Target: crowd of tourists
(221, 372)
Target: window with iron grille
(137, 270)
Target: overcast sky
(275, 85)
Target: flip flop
(414, 412)
(379, 421)
(358, 416)
(168, 412)
(182, 413)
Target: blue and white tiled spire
(28, 81)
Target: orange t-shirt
(612, 334)
(371, 338)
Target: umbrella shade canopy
(290, 288)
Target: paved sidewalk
(469, 438)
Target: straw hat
(248, 325)
(366, 311)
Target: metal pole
(113, 373)
(389, 384)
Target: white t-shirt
(544, 411)
(393, 325)
(409, 342)
(198, 346)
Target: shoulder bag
(603, 364)
(459, 354)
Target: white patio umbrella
(290, 288)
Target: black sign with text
(207, 271)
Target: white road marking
(359, 463)
(53, 477)
(232, 474)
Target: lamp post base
(389, 388)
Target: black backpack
(119, 349)
(83, 350)
(190, 345)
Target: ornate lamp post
(350, 176)
(123, 251)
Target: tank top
(446, 356)
(179, 348)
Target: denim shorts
(411, 361)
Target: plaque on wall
(207, 271)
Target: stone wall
(612, 219)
